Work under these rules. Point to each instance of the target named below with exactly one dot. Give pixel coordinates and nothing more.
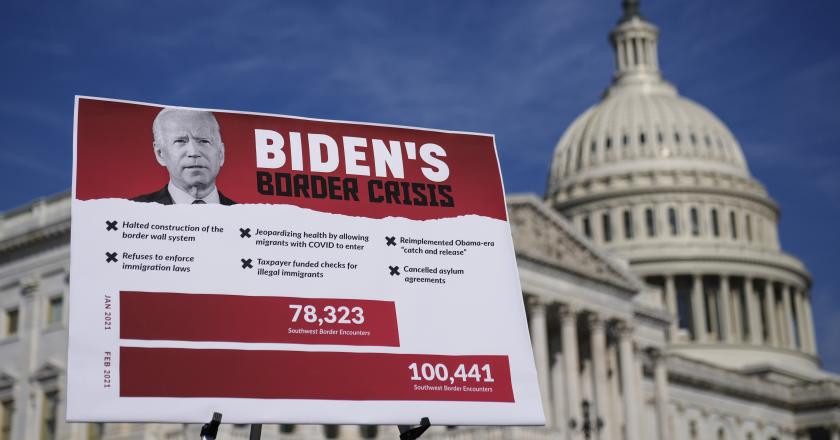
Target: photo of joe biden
(189, 144)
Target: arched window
(695, 222)
(607, 227)
(628, 225)
(642, 138)
(587, 227)
(369, 431)
(49, 416)
(721, 435)
(55, 310)
(733, 225)
(673, 224)
(650, 223)
(609, 143)
(7, 408)
(12, 325)
(677, 137)
(692, 430)
(331, 431)
(287, 429)
(715, 224)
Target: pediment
(543, 235)
(48, 371)
(6, 381)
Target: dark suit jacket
(164, 198)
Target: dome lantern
(634, 41)
(631, 9)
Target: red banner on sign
(356, 169)
(178, 372)
(270, 319)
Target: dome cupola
(660, 181)
(643, 125)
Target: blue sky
(522, 70)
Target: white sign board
(289, 270)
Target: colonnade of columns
(590, 373)
(636, 52)
(740, 309)
(830, 432)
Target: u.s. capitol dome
(661, 181)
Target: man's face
(188, 144)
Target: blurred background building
(660, 303)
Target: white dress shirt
(180, 196)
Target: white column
(539, 341)
(558, 388)
(628, 55)
(800, 319)
(753, 313)
(698, 309)
(787, 309)
(345, 432)
(714, 314)
(568, 324)
(770, 313)
(737, 313)
(616, 218)
(638, 210)
(812, 340)
(619, 50)
(615, 423)
(781, 323)
(598, 344)
(596, 223)
(628, 379)
(27, 400)
(724, 303)
(660, 380)
(671, 303)
(639, 371)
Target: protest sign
(283, 269)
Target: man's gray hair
(156, 129)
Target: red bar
(262, 374)
(237, 318)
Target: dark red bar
(262, 374)
(237, 318)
